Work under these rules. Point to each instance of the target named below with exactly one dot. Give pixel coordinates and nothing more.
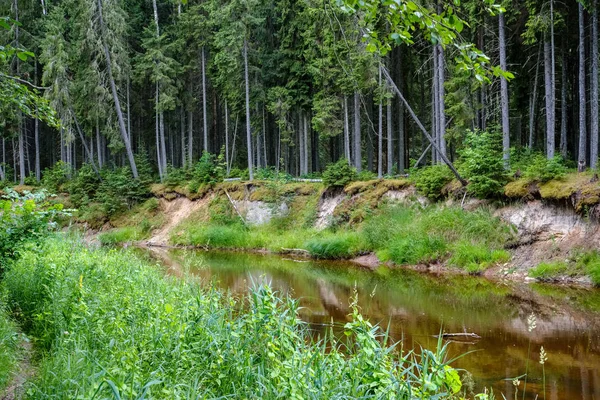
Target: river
(415, 306)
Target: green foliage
(589, 262)
(422, 249)
(475, 258)
(175, 176)
(431, 180)
(337, 245)
(55, 177)
(339, 174)
(539, 168)
(482, 164)
(209, 169)
(8, 346)
(119, 236)
(25, 219)
(83, 186)
(119, 191)
(549, 270)
(161, 336)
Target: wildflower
(543, 356)
(531, 322)
(373, 292)
(516, 382)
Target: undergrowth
(112, 326)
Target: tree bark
(390, 140)
(594, 89)
(357, 141)
(248, 128)
(227, 137)
(204, 102)
(582, 153)
(113, 87)
(346, 131)
(548, 85)
(190, 138)
(380, 134)
(563, 107)
(441, 102)
(504, 93)
(533, 102)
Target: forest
(295, 86)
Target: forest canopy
(293, 86)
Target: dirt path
(175, 212)
(25, 370)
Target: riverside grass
(111, 326)
(405, 235)
(8, 346)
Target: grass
(334, 245)
(549, 270)
(112, 326)
(8, 347)
(584, 262)
(120, 236)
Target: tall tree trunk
(129, 115)
(533, 102)
(182, 135)
(161, 172)
(434, 106)
(401, 131)
(248, 128)
(305, 141)
(548, 85)
(380, 134)
(504, 93)
(301, 147)
(346, 131)
(357, 141)
(36, 136)
(163, 144)
(204, 101)
(113, 87)
(594, 89)
(390, 140)
(3, 164)
(441, 101)
(21, 155)
(190, 144)
(563, 107)
(227, 137)
(582, 154)
(98, 144)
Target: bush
(482, 165)
(83, 187)
(339, 174)
(119, 191)
(543, 170)
(55, 177)
(175, 176)
(209, 169)
(431, 180)
(24, 219)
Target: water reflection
(415, 306)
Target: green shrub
(83, 186)
(175, 177)
(481, 164)
(549, 270)
(209, 169)
(334, 246)
(431, 180)
(119, 191)
(270, 173)
(339, 174)
(55, 177)
(541, 169)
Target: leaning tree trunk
(504, 93)
(550, 133)
(357, 141)
(248, 128)
(390, 141)
(582, 154)
(594, 89)
(113, 87)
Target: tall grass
(111, 326)
(8, 347)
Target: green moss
(518, 189)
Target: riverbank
(374, 223)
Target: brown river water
(416, 306)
